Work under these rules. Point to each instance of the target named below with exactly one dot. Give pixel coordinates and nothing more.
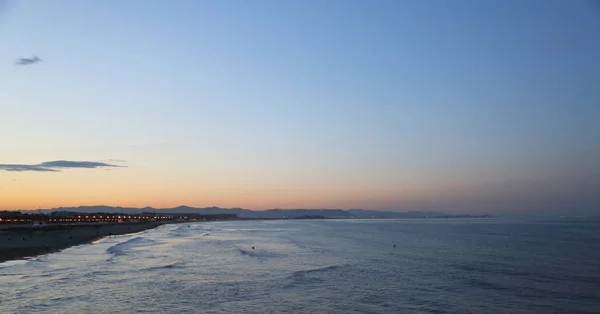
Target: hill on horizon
(247, 213)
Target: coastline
(21, 243)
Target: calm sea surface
(349, 266)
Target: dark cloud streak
(28, 61)
(56, 166)
(19, 168)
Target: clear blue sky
(462, 106)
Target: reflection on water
(437, 266)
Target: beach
(23, 242)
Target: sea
(319, 266)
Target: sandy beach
(18, 243)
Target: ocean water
(319, 266)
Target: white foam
(13, 263)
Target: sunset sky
(455, 106)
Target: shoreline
(22, 243)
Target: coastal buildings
(8, 218)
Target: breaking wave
(123, 247)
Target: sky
(456, 106)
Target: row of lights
(124, 217)
(14, 220)
(91, 218)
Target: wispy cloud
(16, 167)
(55, 166)
(28, 61)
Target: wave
(115, 272)
(162, 267)
(181, 231)
(121, 248)
(301, 273)
(13, 263)
(26, 260)
(257, 253)
(311, 276)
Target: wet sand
(19, 243)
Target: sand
(20, 243)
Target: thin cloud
(28, 61)
(9, 167)
(117, 160)
(74, 164)
(55, 166)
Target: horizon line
(226, 208)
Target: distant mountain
(387, 214)
(104, 209)
(246, 213)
